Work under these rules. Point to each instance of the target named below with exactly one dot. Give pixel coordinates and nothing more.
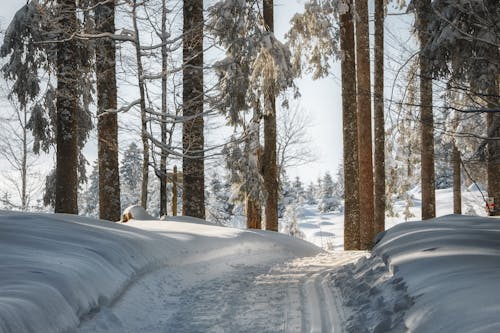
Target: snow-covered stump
(135, 212)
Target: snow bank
(56, 269)
(448, 270)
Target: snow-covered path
(296, 296)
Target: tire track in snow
(323, 310)
(297, 296)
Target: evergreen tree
(366, 218)
(107, 123)
(193, 196)
(424, 13)
(328, 202)
(130, 176)
(379, 122)
(91, 194)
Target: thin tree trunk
(144, 128)
(378, 106)
(24, 162)
(366, 202)
(66, 200)
(163, 125)
(174, 192)
(493, 168)
(457, 182)
(107, 122)
(350, 132)
(269, 158)
(193, 169)
(423, 13)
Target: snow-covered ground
(61, 273)
(326, 230)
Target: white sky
(321, 99)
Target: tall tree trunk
(107, 123)
(253, 209)
(350, 132)
(269, 159)
(144, 123)
(366, 216)
(423, 13)
(163, 125)
(493, 169)
(378, 106)
(457, 181)
(193, 169)
(66, 200)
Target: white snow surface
(56, 269)
(65, 273)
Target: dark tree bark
(493, 169)
(366, 217)
(269, 161)
(193, 169)
(107, 123)
(378, 106)
(163, 125)
(174, 191)
(423, 13)
(350, 132)
(67, 105)
(457, 181)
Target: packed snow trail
(296, 296)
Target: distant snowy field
(61, 273)
(327, 230)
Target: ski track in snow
(296, 296)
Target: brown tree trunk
(270, 165)
(253, 209)
(253, 213)
(107, 123)
(66, 200)
(423, 13)
(144, 128)
(193, 194)
(174, 192)
(366, 217)
(457, 182)
(493, 170)
(350, 132)
(163, 125)
(378, 106)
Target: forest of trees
(197, 66)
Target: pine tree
(328, 202)
(269, 160)
(67, 105)
(91, 194)
(107, 123)
(130, 176)
(379, 123)
(366, 217)
(350, 129)
(193, 195)
(423, 12)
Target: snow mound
(378, 299)
(448, 272)
(56, 269)
(135, 212)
